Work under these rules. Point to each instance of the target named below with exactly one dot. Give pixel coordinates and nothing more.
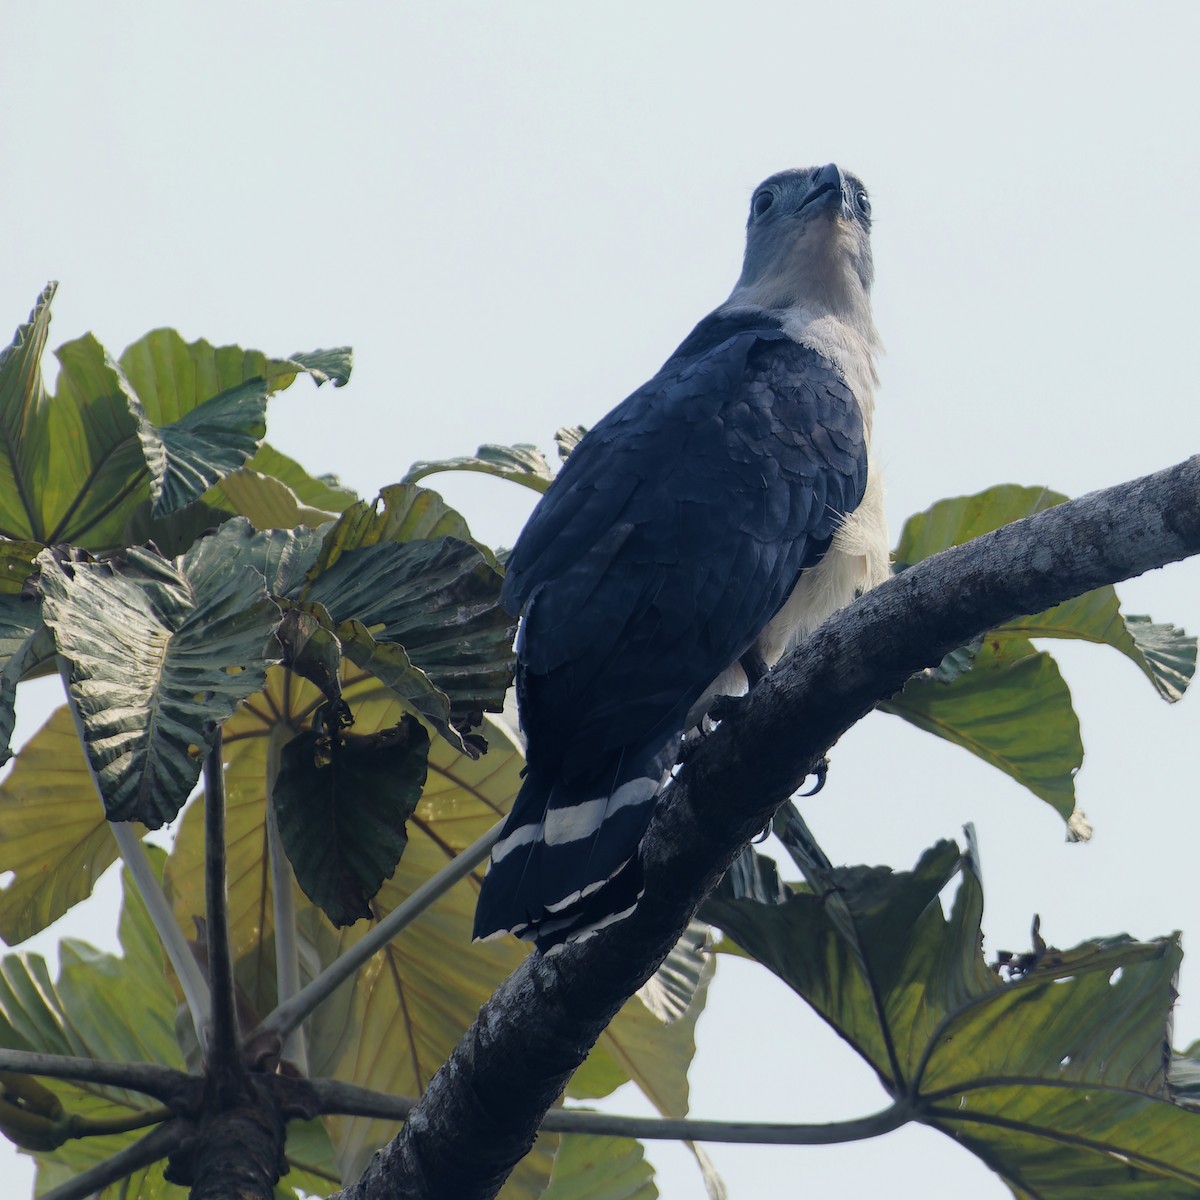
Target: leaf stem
(148, 1078)
(334, 1096)
(283, 902)
(290, 1013)
(223, 1050)
(85, 1127)
(158, 1143)
(191, 979)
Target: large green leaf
(24, 447)
(1164, 654)
(53, 834)
(160, 653)
(1012, 709)
(437, 597)
(71, 466)
(323, 492)
(1054, 1076)
(172, 377)
(342, 800)
(206, 407)
(587, 1167)
(522, 464)
(264, 500)
(206, 444)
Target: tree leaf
(266, 501)
(522, 463)
(24, 448)
(172, 377)
(56, 839)
(160, 653)
(1055, 1077)
(206, 444)
(401, 513)
(71, 465)
(567, 438)
(390, 664)
(637, 1046)
(1012, 709)
(669, 992)
(588, 1167)
(1164, 654)
(439, 599)
(25, 644)
(342, 800)
(323, 492)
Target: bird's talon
(822, 773)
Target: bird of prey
(701, 529)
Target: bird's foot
(822, 773)
(724, 707)
(754, 666)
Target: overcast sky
(514, 212)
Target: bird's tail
(567, 862)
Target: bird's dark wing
(674, 533)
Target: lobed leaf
(1055, 1077)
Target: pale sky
(515, 212)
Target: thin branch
(129, 843)
(481, 1111)
(187, 970)
(224, 1055)
(291, 1012)
(151, 1080)
(283, 902)
(347, 1099)
(157, 1144)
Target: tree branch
(224, 1050)
(287, 1015)
(157, 1144)
(481, 1111)
(336, 1097)
(283, 905)
(160, 1082)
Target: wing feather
(673, 534)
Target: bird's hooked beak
(827, 193)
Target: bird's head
(808, 245)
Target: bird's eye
(864, 203)
(761, 202)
